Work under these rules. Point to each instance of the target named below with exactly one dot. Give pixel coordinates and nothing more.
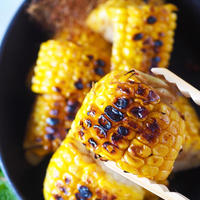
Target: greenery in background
(5, 191)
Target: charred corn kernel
(85, 37)
(190, 155)
(128, 107)
(63, 68)
(142, 34)
(49, 123)
(73, 174)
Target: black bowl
(18, 54)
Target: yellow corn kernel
(81, 176)
(142, 34)
(115, 111)
(48, 125)
(84, 37)
(63, 68)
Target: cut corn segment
(142, 34)
(64, 68)
(123, 119)
(65, 71)
(190, 155)
(48, 125)
(73, 174)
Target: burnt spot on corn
(58, 197)
(67, 180)
(101, 132)
(153, 97)
(121, 103)
(131, 82)
(54, 112)
(148, 41)
(143, 50)
(78, 197)
(62, 189)
(113, 114)
(81, 133)
(57, 89)
(70, 117)
(104, 122)
(91, 113)
(72, 106)
(139, 112)
(91, 83)
(104, 195)
(109, 147)
(151, 20)
(99, 63)
(124, 89)
(82, 125)
(90, 57)
(152, 131)
(150, 137)
(52, 121)
(96, 156)
(122, 131)
(84, 192)
(155, 61)
(50, 136)
(138, 36)
(88, 123)
(92, 142)
(161, 34)
(79, 84)
(140, 91)
(116, 137)
(67, 130)
(158, 43)
(182, 116)
(99, 71)
(153, 126)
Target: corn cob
(73, 174)
(190, 155)
(123, 119)
(49, 123)
(142, 34)
(64, 68)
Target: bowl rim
(3, 42)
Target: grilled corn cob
(64, 68)
(142, 34)
(125, 120)
(49, 123)
(73, 174)
(190, 155)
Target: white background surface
(7, 10)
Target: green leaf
(1, 173)
(5, 191)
